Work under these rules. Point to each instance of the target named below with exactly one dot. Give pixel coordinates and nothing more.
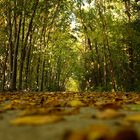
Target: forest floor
(69, 116)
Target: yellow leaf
(36, 120)
(133, 118)
(8, 107)
(16, 101)
(98, 131)
(75, 103)
(78, 135)
(108, 114)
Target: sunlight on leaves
(109, 114)
(133, 118)
(75, 103)
(36, 120)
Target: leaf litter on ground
(49, 108)
(36, 120)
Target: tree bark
(42, 76)
(106, 45)
(99, 64)
(37, 74)
(16, 46)
(10, 43)
(131, 79)
(27, 69)
(4, 70)
(23, 52)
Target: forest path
(79, 111)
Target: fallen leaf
(103, 106)
(108, 114)
(8, 107)
(121, 123)
(97, 132)
(133, 118)
(76, 135)
(94, 132)
(75, 103)
(137, 102)
(49, 111)
(36, 120)
(126, 134)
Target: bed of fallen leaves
(45, 108)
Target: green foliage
(70, 45)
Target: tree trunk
(98, 61)
(4, 70)
(94, 79)
(131, 79)
(10, 43)
(42, 76)
(106, 43)
(23, 51)
(16, 46)
(111, 67)
(27, 69)
(37, 74)
(105, 66)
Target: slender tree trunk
(27, 69)
(131, 67)
(42, 76)
(131, 78)
(105, 66)
(111, 67)
(37, 73)
(106, 43)
(58, 71)
(23, 52)
(46, 79)
(4, 70)
(10, 43)
(16, 46)
(99, 64)
(94, 79)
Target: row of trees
(46, 43)
(35, 48)
(112, 38)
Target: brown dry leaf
(49, 111)
(8, 107)
(94, 132)
(126, 134)
(41, 111)
(36, 120)
(108, 114)
(97, 132)
(77, 135)
(75, 103)
(13, 105)
(137, 102)
(133, 118)
(103, 106)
